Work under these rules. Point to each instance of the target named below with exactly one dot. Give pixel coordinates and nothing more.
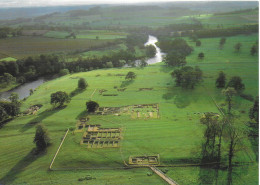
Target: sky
(25, 3)
(28, 3)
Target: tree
(254, 49)
(82, 84)
(254, 111)
(201, 55)
(236, 83)
(59, 98)
(198, 43)
(213, 133)
(14, 97)
(221, 80)
(92, 106)
(187, 77)
(3, 114)
(222, 42)
(237, 46)
(41, 138)
(175, 59)
(130, 75)
(150, 51)
(229, 93)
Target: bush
(41, 138)
(82, 84)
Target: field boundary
(58, 150)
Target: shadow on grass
(40, 117)
(181, 98)
(84, 113)
(76, 92)
(20, 166)
(126, 83)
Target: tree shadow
(84, 113)
(40, 117)
(76, 92)
(20, 166)
(126, 83)
(181, 98)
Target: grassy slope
(176, 135)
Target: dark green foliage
(177, 45)
(41, 138)
(130, 75)
(150, 51)
(254, 49)
(82, 84)
(236, 83)
(221, 80)
(225, 32)
(237, 47)
(229, 93)
(11, 109)
(201, 55)
(198, 43)
(222, 42)
(3, 114)
(175, 59)
(187, 77)
(136, 40)
(92, 106)
(213, 133)
(6, 79)
(59, 98)
(254, 111)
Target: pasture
(176, 135)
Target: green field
(176, 135)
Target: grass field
(176, 135)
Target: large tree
(41, 138)
(187, 77)
(229, 93)
(59, 98)
(236, 83)
(221, 80)
(237, 46)
(130, 75)
(175, 59)
(150, 51)
(92, 106)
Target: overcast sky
(26, 3)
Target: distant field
(8, 59)
(19, 47)
(56, 34)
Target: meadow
(176, 135)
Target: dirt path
(93, 93)
(163, 176)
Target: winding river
(159, 55)
(24, 90)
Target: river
(24, 90)
(159, 55)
